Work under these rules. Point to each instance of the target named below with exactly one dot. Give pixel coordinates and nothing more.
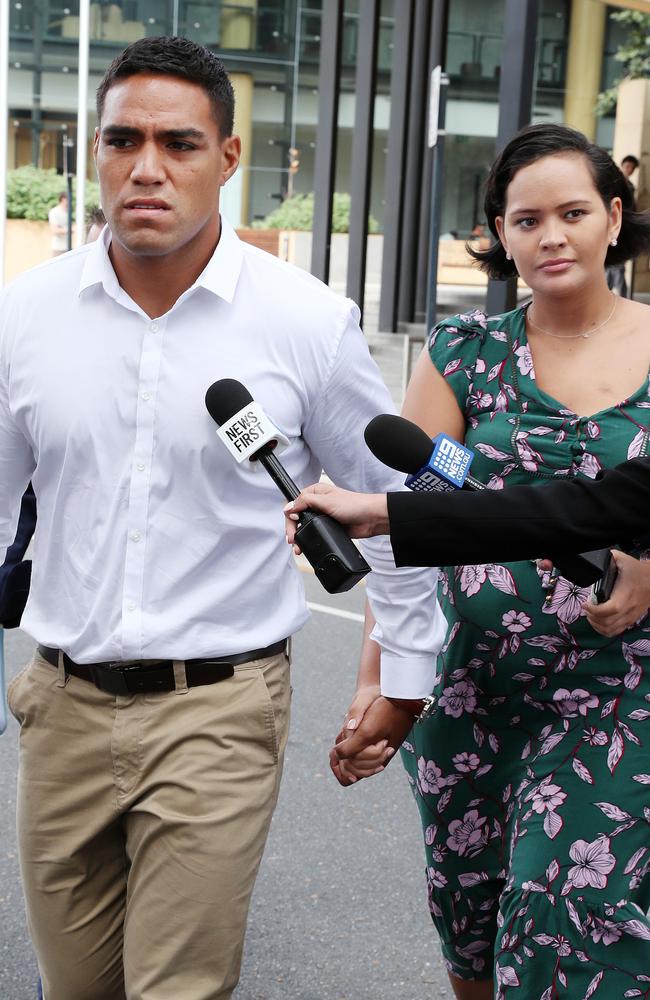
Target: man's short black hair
(630, 159)
(174, 56)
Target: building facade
(271, 48)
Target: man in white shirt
(154, 716)
(58, 219)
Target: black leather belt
(158, 675)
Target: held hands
(365, 748)
(365, 514)
(629, 601)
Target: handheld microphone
(403, 445)
(248, 434)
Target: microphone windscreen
(398, 443)
(225, 398)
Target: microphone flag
(248, 430)
(446, 469)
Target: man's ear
(230, 156)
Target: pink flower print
(516, 621)
(466, 832)
(430, 776)
(436, 878)
(439, 854)
(595, 737)
(604, 930)
(530, 459)
(480, 400)
(466, 762)
(525, 361)
(566, 601)
(546, 797)
(472, 578)
(593, 862)
(458, 699)
(573, 703)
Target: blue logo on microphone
(447, 468)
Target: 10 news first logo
(446, 470)
(248, 430)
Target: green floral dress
(533, 776)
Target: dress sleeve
(454, 347)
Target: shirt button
(140, 467)
(154, 328)
(135, 536)
(146, 396)
(131, 606)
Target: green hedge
(31, 192)
(297, 212)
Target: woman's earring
(508, 255)
(613, 243)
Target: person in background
(616, 278)
(96, 222)
(154, 714)
(479, 237)
(530, 774)
(58, 219)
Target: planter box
(27, 244)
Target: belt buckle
(113, 678)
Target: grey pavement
(339, 910)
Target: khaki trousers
(141, 825)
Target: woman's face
(556, 226)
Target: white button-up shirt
(151, 540)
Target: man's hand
(365, 514)
(372, 743)
(629, 601)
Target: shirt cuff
(407, 677)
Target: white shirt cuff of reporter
(407, 677)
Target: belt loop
(180, 677)
(62, 677)
(289, 648)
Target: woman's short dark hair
(531, 144)
(174, 56)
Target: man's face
(628, 167)
(161, 163)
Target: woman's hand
(383, 729)
(629, 601)
(365, 514)
(372, 758)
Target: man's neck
(156, 283)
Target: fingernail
(352, 724)
(290, 505)
(390, 751)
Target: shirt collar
(219, 276)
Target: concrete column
(584, 64)
(243, 87)
(632, 138)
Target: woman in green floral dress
(532, 778)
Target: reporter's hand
(383, 721)
(629, 601)
(364, 514)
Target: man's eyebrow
(168, 133)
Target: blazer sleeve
(522, 522)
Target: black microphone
(404, 446)
(249, 435)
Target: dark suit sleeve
(15, 572)
(522, 522)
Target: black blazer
(16, 571)
(522, 522)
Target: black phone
(605, 584)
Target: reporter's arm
(521, 522)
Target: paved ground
(339, 911)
